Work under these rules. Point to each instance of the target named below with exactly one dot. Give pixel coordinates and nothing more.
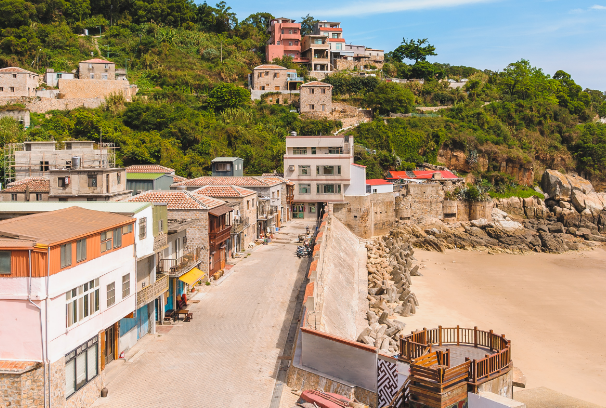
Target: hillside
(191, 62)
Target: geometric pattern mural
(387, 381)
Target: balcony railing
(239, 225)
(151, 292)
(178, 266)
(217, 237)
(295, 79)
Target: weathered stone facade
(353, 65)
(316, 97)
(95, 88)
(97, 69)
(42, 105)
(466, 210)
(367, 216)
(197, 233)
(419, 202)
(15, 82)
(270, 78)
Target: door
(222, 252)
(110, 344)
(142, 322)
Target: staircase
(400, 400)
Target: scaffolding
(20, 162)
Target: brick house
(244, 217)
(16, 82)
(316, 97)
(97, 69)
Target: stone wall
(256, 94)
(316, 99)
(95, 88)
(468, 210)
(341, 64)
(197, 233)
(502, 385)
(23, 390)
(367, 216)
(284, 97)
(42, 105)
(419, 202)
(22, 84)
(21, 116)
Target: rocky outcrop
(531, 207)
(391, 264)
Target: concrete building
(67, 280)
(16, 82)
(323, 171)
(334, 33)
(272, 192)
(97, 69)
(227, 167)
(316, 50)
(316, 97)
(139, 182)
(103, 184)
(244, 203)
(273, 78)
(51, 78)
(378, 186)
(284, 39)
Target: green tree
(259, 20)
(15, 13)
(226, 95)
(307, 25)
(602, 110)
(416, 50)
(520, 80)
(390, 97)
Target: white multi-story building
(323, 171)
(67, 277)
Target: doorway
(110, 344)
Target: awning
(192, 276)
(220, 210)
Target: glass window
(117, 237)
(13, 197)
(312, 208)
(92, 180)
(5, 262)
(329, 170)
(127, 229)
(111, 294)
(66, 255)
(143, 228)
(82, 301)
(81, 250)
(70, 377)
(299, 150)
(335, 150)
(313, 150)
(125, 286)
(38, 197)
(304, 188)
(81, 366)
(119, 177)
(106, 241)
(304, 170)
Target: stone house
(244, 203)
(316, 97)
(273, 78)
(28, 189)
(97, 69)
(17, 82)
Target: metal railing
(240, 224)
(178, 266)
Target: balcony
(239, 225)
(295, 79)
(216, 237)
(151, 292)
(176, 267)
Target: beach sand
(551, 307)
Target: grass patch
(517, 191)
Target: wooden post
(475, 336)
(102, 349)
(474, 364)
(457, 334)
(447, 362)
(425, 335)
(490, 342)
(440, 334)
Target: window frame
(299, 150)
(125, 286)
(111, 290)
(105, 241)
(142, 228)
(117, 237)
(71, 358)
(305, 170)
(81, 250)
(305, 186)
(3, 254)
(66, 255)
(92, 181)
(83, 301)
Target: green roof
(144, 176)
(43, 206)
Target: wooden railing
(434, 366)
(216, 237)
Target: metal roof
(117, 207)
(145, 176)
(224, 159)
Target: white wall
(490, 400)
(382, 188)
(145, 247)
(357, 186)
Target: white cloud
(598, 7)
(370, 7)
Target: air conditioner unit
(291, 168)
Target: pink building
(67, 277)
(285, 39)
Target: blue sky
(486, 34)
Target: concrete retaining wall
(367, 216)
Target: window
(66, 255)
(44, 166)
(117, 237)
(312, 91)
(82, 302)
(323, 106)
(289, 31)
(106, 241)
(103, 76)
(335, 35)
(160, 225)
(111, 294)
(38, 197)
(118, 178)
(290, 43)
(318, 41)
(61, 182)
(1, 89)
(304, 188)
(304, 171)
(5, 262)
(299, 150)
(143, 228)
(127, 229)
(12, 89)
(81, 366)
(126, 286)
(248, 204)
(328, 188)
(81, 250)
(335, 150)
(92, 76)
(312, 208)
(13, 197)
(323, 90)
(338, 46)
(278, 43)
(59, 76)
(92, 180)
(90, 199)
(311, 107)
(253, 203)
(313, 150)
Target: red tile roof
(35, 184)
(178, 179)
(97, 61)
(336, 39)
(377, 182)
(421, 174)
(149, 168)
(7, 366)
(223, 191)
(317, 83)
(177, 199)
(358, 165)
(15, 70)
(259, 181)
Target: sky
(485, 34)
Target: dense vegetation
(191, 63)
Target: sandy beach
(552, 308)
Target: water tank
(76, 162)
(293, 133)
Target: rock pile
(391, 264)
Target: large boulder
(587, 201)
(578, 183)
(556, 185)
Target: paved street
(228, 355)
